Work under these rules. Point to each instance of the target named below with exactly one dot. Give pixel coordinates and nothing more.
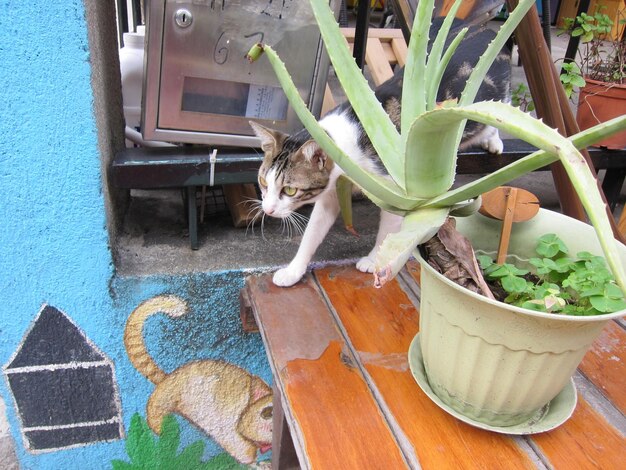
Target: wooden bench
(344, 397)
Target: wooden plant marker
(509, 205)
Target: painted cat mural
(230, 405)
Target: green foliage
(599, 56)
(571, 78)
(150, 452)
(573, 286)
(589, 27)
(521, 98)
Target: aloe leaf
(430, 164)
(436, 66)
(441, 68)
(380, 187)
(430, 172)
(344, 194)
(537, 133)
(525, 165)
(376, 122)
(494, 48)
(384, 205)
(414, 83)
(417, 227)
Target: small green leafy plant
(582, 285)
(521, 98)
(599, 57)
(571, 77)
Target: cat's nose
(269, 209)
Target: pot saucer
(549, 417)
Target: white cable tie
(212, 161)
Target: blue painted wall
(54, 247)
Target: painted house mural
(101, 370)
(63, 387)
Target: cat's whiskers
(256, 211)
(299, 221)
(250, 201)
(284, 224)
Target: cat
(229, 404)
(295, 171)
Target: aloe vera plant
(421, 158)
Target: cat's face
(255, 423)
(294, 172)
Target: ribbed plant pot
(599, 102)
(492, 362)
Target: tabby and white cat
(296, 171)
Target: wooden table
(344, 397)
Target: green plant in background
(150, 452)
(521, 98)
(571, 77)
(421, 158)
(575, 286)
(599, 57)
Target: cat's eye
(262, 182)
(266, 413)
(290, 190)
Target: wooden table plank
(605, 364)
(332, 415)
(377, 61)
(400, 50)
(585, 441)
(381, 324)
(383, 33)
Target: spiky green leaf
(344, 194)
(414, 84)
(436, 65)
(417, 227)
(380, 130)
(537, 133)
(525, 165)
(475, 80)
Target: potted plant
(601, 59)
(421, 172)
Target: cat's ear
(314, 154)
(271, 140)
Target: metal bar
(360, 33)
(192, 214)
(122, 20)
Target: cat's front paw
(493, 144)
(365, 265)
(287, 277)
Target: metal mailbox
(198, 87)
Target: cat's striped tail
(133, 333)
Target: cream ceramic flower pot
(495, 363)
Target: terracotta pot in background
(598, 102)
